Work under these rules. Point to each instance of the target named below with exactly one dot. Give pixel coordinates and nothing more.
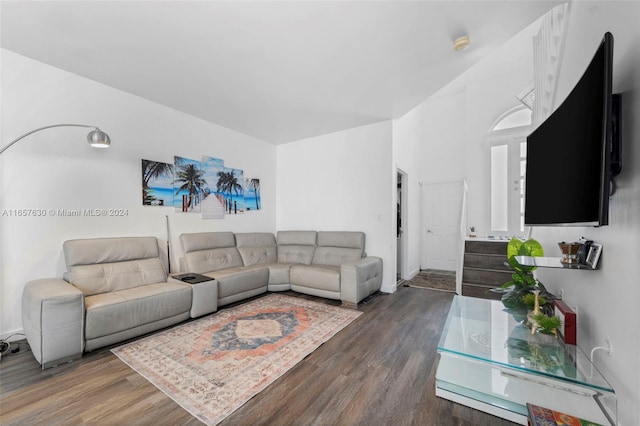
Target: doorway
(401, 224)
(441, 234)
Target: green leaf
(512, 251)
(532, 247)
(516, 247)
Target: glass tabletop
(484, 330)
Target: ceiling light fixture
(461, 43)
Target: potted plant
(518, 293)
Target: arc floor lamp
(96, 137)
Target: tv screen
(568, 156)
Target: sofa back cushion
(296, 246)
(206, 240)
(107, 277)
(209, 251)
(101, 265)
(336, 248)
(256, 248)
(107, 250)
(203, 261)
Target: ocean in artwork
(252, 200)
(157, 183)
(250, 203)
(162, 196)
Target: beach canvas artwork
(188, 185)
(252, 199)
(206, 187)
(157, 183)
(213, 204)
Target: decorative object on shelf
(569, 251)
(567, 316)
(472, 232)
(536, 320)
(96, 138)
(531, 316)
(546, 324)
(530, 301)
(594, 255)
(522, 282)
(583, 252)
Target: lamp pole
(96, 138)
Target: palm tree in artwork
(228, 184)
(193, 181)
(153, 170)
(255, 184)
(223, 186)
(234, 185)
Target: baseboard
(388, 289)
(19, 335)
(413, 273)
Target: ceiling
(278, 71)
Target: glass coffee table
(490, 361)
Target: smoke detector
(461, 43)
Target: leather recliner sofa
(327, 264)
(115, 289)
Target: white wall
(56, 169)
(607, 299)
(342, 181)
(443, 138)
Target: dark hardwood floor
(380, 370)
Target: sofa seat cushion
(109, 313)
(321, 277)
(239, 280)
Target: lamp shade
(98, 139)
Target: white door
(441, 225)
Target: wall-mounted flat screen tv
(574, 154)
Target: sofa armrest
(359, 279)
(53, 320)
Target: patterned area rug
(215, 364)
(440, 280)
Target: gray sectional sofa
(333, 265)
(118, 288)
